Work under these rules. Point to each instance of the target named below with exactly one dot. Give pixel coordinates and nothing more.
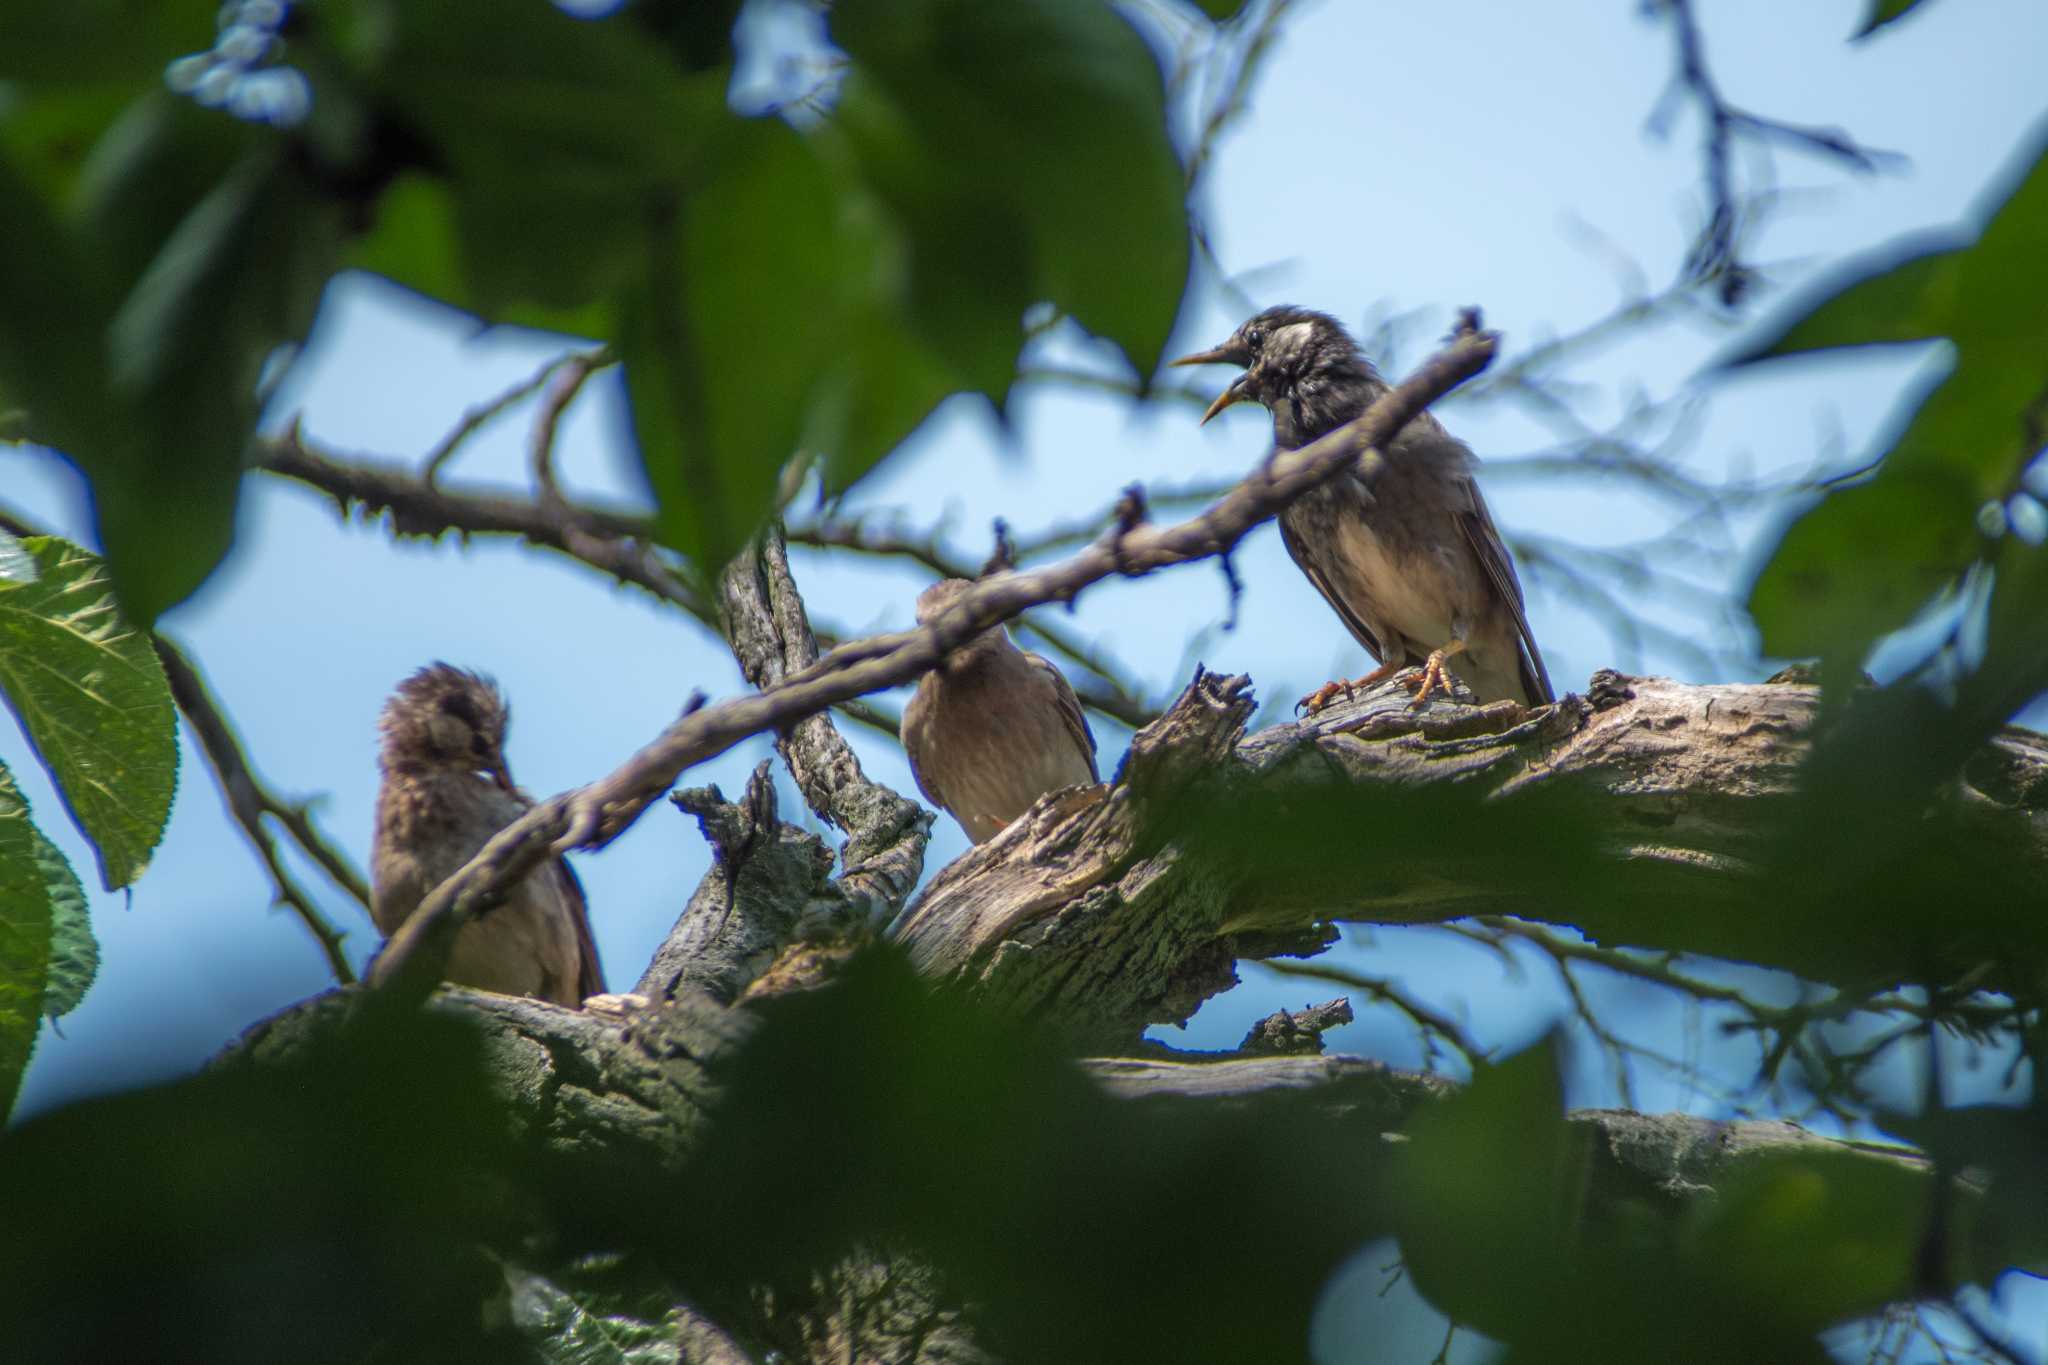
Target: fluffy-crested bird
(1413, 565)
(992, 728)
(446, 790)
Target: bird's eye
(1255, 337)
(477, 745)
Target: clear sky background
(1396, 157)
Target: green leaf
(89, 692)
(240, 276)
(1868, 557)
(74, 952)
(1073, 143)
(543, 124)
(725, 347)
(100, 40)
(24, 939)
(1220, 10)
(1882, 13)
(1842, 1227)
(1862, 563)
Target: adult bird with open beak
(1413, 565)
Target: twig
(248, 801)
(445, 448)
(614, 543)
(1714, 257)
(562, 391)
(413, 962)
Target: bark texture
(1105, 909)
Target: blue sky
(1396, 157)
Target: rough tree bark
(1109, 908)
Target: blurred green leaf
(1220, 10)
(556, 135)
(240, 276)
(89, 692)
(934, 1108)
(1073, 143)
(326, 1206)
(725, 347)
(1484, 1197)
(1845, 1229)
(1883, 12)
(74, 952)
(1862, 563)
(2006, 1152)
(101, 41)
(24, 939)
(1869, 556)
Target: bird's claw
(1323, 696)
(1427, 679)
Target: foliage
(771, 285)
(781, 282)
(93, 702)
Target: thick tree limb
(1112, 908)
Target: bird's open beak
(1234, 394)
(1220, 355)
(500, 772)
(1226, 354)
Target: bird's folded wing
(1070, 711)
(1486, 543)
(912, 730)
(590, 973)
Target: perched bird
(992, 728)
(1413, 566)
(446, 791)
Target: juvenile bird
(1413, 565)
(992, 728)
(446, 790)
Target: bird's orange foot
(1329, 691)
(1323, 696)
(1427, 679)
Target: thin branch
(615, 543)
(247, 797)
(413, 961)
(562, 391)
(1715, 257)
(249, 800)
(482, 413)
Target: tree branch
(414, 959)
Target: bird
(992, 727)
(445, 791)
(1413, 565)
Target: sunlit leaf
(24, 939)
(74, 952)
(89, 692)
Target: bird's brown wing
(1485, 540)
(1305, 559)
(590, 972)
(1070, 711)
(913, 729)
